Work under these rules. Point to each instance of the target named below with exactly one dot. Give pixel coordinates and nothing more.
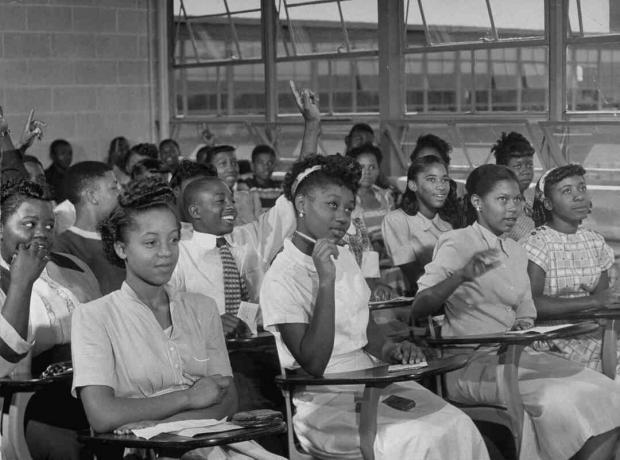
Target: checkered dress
(573, 264)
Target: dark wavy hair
(140, 196)
(540, 214)
(13, 194)
(372, 149)
(481, 181)
(207, 153)
(511, 145)
(148, 166)
(187, 169)
(434, 142)
(145, 149)
(335, 170)
(450, 211)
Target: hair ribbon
(302, 176)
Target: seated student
(185, 173)
(169, 152)
(40, 289)
(359, 134)
(568, 264)
(61, 154)
(515, 151)
(315, 300)
(411, 232)
(138, 153)
(144, 353)
(93, 189)
(36, 173)
(480, 281)
(117, 156)
(150, 167)
(224, 159)
(431, 145)
(263, 164)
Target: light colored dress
(325, 420)
(573, 265)
(412, 238)
(55, 295)
(566, 403)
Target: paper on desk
(394, 299)
(540, 329)
(173, 427)
(248, 313)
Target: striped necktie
(235, 289)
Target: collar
(85, 233)
(128, 291)
(208, 240)
(493, 241)
(294, 253)
(4, 265)
(436, 221)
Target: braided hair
(140, 196)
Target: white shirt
(253, 245)
(289, 295)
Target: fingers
(296, 93)
(325, 248)
(30, 118)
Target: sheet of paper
(370, 264)
(540, 329)
(248, 313)
(395, 299)
(219, 428)
(171, 427)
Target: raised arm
(12, 162)
(308, 105)
(548, 306)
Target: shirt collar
(436, 221)
(492, 240)
(128, 291)
(208, 240)
(294, 253)
(85, 233)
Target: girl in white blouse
(315, 299)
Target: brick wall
(84, 65)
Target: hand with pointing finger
(33, 129)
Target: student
(315, 300)
(186, 172)
(359, 134)
(93, 189)
(480, 281)
(263, 164)
(568, 264)
(515, 151)
(138, 153)
(431, 145)
(40, 289)
(224, 159)
(145, 353)
(169, 152)
(36, 173)
(411, 232)
(61, 154)
(117, 156)
(150, 167)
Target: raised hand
(307, 102)
(33, 129)
(4, 124)
(322, 254)
(480, 263)
(29, 261)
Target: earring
(478, 208)
(301, 214)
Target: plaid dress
(573, 264)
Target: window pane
(343, 85)
(204, 31)
(317, 28)
(525, 18)
(220, 90)
(593, 77)
(594, 17)
(503, 79)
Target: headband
(302, 175)
(541, 182)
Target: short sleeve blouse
(289, 291)
(573, 263)
(117, 342)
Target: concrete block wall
(87, 66)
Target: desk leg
(14, 445)
(508, 388)
(368, 421)
(609, 357)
